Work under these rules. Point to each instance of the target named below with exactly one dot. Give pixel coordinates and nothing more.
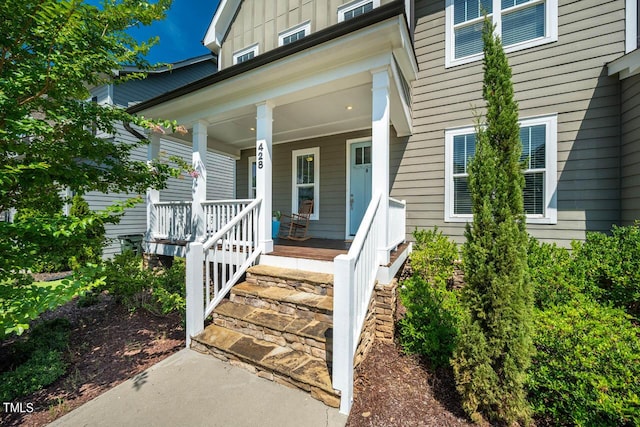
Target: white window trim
(354, 4)
(306, 26)
(631, 25)
(551, 28)
(316, 180)
(252, 160)
(551, 170)
(255, 48)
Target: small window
(245, 54)
(539, 154)
(294, 34)
(356, 8)
(520, 23)
(306, 179)
(252, 177)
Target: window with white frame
(293, 34)
(520, 23)
(306, 179)
(356, 8)
(252, 177)
(539, 153)
(245, 54)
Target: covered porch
(308, 121)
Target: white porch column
(199, 187)
(153, 195)
(380, 154)
(264, 129)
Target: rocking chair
(294, 226)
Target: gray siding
(630, 153)
(333, 176)
(220, 172)
(260, 21)
(567, 77)
(133, 91)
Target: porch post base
(267, 246)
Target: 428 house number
(260, 158)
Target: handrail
(218, 235)
(354, 280)
(227, 201)
(172, 203)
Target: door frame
(348, 236)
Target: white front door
(359, 184)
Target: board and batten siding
(333, 177)
(630, 152)
(261, 21)
(567, 77)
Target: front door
(359, 184)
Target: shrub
(430, 325)
(37, 361)
(587, 366)
(89, 250)
(550, 273)
(159, 291)
(609, 267)
(494, 348)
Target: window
(245, 54)
(539, 153)
(306, 179)
(356, 8)
(252, 177)
(520, 23)
(293, 34)
(632, 23)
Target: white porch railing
(218, 264)
(217, 213)
(354, 280)
(397, 222)
(172, 221)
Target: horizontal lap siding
(567, 77)
(630, 150)
(220, 172)
(331, 224)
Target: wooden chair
(295, 226)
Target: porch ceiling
(311, 91)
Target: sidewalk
(191, 389)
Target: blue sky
(181, 33)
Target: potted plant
(275, 224)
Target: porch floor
(315, 249)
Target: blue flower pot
(275, 228)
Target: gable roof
(382, 13)
(220, 24)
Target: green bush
(550, 271)
(36, 361)
(609, 267)
(159, 291)
(587, 367)
(430, 325)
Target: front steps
(278, 324)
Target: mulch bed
(108, 345)
(395, 389)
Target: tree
(495, 345)
(51, 53)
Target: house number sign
(260, 156)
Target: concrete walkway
(191, 389)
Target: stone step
(306, 281)
(295, 303)
(269, 360)
(307, 335)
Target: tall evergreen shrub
(495, 346)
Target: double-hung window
(356, 8)
(520, 23)
(539, 155)
(252, 177)
(306, 179)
